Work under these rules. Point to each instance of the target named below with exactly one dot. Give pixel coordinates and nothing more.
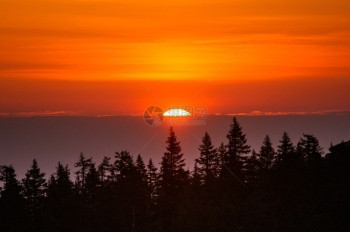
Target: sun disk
(177, 113)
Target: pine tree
(172, 172)
(34, 187)
(173, 178)
(267, 154)
(92, 179)
(12, 205)
(152, 179)
(252, 167)
(126, 188)
(208, 160)
(141, 168)
(34, 192)
(104, 169)
(236, 149)
(91, 197)
(285, 150)
(123, 165)
(222, 152)
(83, 164)
(310, 149)
(11, 185)
(61, 203)
(196, 177)
(60, 182)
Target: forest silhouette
(231, 188)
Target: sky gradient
(89, 57)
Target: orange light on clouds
(213, 53)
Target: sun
(176, 113)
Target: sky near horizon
(105, 57)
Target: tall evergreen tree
(11, 186)
(142, 200)
(13, 215)
(60, 182)
(152, 179)
(141, 168)
(285, 150)
(252, 167)
(91, 197)
(208, 161)
(196, 180)
(173, 179)
(310, 149)
(123, 165)
(83, 166)
(267, 154)
(172, 172)
(92, 179)
(34, 191)
(104, 169)
(236, 149)
(60, 206)
(222, 152)
(34, 186)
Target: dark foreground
(231, 188)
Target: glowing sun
(176, 113)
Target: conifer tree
(152, 179)
(222, 152)
(123, 165)
(285, 150)
(104, 169)
(236, 149)
(92, 179)
(13, 215)
(141, 168)
(267, 154)
(196, 177)
(252, 167)
(172, 172)
(173, 179)
(61, 203)
(208, 161)
(83, 166)
(60, 182)
(34, 192)
(11, 185)
(34, 186)
(310, 149)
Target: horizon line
(252, 113)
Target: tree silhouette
(152, 179)
(173, 178)
(13, 215)
(310, 149)
(141, 168)
(104, 169)
(236, 150)
(285, 151)
(172, 172)
(267, 154)
(83, 166)
(252, 167)
(123, 165)
(34, 188)
(302, 191)
(208, 161)
(222, 156)
(61, 205)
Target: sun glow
(176, 113)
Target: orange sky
(99, 57)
